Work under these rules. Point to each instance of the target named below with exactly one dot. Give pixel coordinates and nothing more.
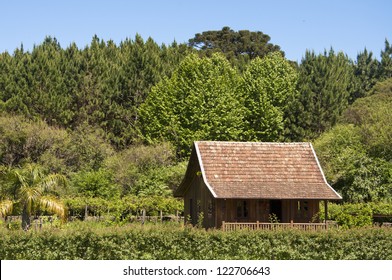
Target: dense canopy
(118, 120)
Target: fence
(274, 226)
(38, 222)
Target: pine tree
(367, 70)
(386, 61)
(325, 85)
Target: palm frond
(29, 196)
(53, 205)
(53, 181)
(20, 178)
(6, 207)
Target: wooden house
(252, 182)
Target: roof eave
(202, 170)
(339, 197)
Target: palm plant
(31, 189)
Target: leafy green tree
(373, 117)
(356, 154)
(99, 183)
(30, 189)
(268, 85)
(22, 140)
(146, 169)
(199, 102)
(349, 168)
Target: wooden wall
(198, 199)
(298, 211)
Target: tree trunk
(25, 219)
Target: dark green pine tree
(386, 61)
(325, 85)
(367, 70)
(50, 97)
(17, 86)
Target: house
(250, 182)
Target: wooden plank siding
(199, 200)
(292, 211)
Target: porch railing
(229, 226)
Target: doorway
(276, 209)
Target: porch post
(291, 212)
(326, 212)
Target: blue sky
(295, 26)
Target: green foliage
(348, 217)
(356, 155)
(351, 215)
(101, 85)
(325, 84)
(24, 141)
(268, 85)
(386, 61)
(238, 46)
(98, 183)
(272, 218)
(200, 220)
(372, 115)
(85, 113)
(121, 208)
(367, 72)
(198, 102)
(351, 171)
(147, 170)
(83, 241)
(60, 151)
(32, 190)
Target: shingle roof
(262, 170)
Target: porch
(232, 226)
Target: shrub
(92, 241)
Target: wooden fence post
(143, 216)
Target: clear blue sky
(295, 25)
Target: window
(242, 209)
(302, 208)
(210, 208)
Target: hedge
(169, 242)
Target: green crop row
(174, 242)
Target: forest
(108, 128)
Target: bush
(350, 215)
(84, 241)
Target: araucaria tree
(29, 189)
